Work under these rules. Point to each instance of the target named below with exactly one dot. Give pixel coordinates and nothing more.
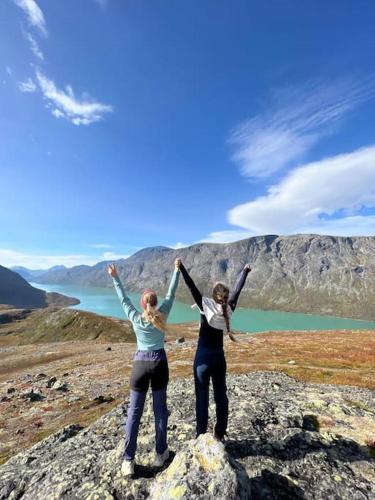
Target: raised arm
(167, 303)
(233, 299)
(129, 309)
(197, 296)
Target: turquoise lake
(104, 301)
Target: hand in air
(247, 267)
(177, 263)
(112, 271)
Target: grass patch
(357, 404)
(5, 455)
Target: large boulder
(203, 469)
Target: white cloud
(295, 119)
(27, 86)
(226, 236)
(326, 196)
(57, 113)
(114, 256)
(9, 258)
(179, 244)
(34, 47)
(9, 70)
(63, 104)
(100, 245)
(34, 14)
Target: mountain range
(15, 291)
(30, 274)
(301, 273)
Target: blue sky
(134, 123)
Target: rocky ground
(63, 396)
(286, 440)
(46, 386)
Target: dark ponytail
(220, 294)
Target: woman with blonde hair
(150, 367)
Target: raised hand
(177, 263)
(112, 271)
(247, 268)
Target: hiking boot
(127, 468)
(220, 437)
(161, 459)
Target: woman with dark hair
(209, 362)
(150, 367)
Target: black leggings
(149, 367)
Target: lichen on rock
(279, 447)
(203, 469)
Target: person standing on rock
(209, 362)
(150, 367)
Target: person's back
(209, 362)
(209, 337)
(150, 367)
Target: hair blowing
(151, 314)
(220, 294)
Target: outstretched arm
(233, 299)
(130, 311)
(166, 306)
(197, 296)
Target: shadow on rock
(298, 446)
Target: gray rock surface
(203, 469)
(305, 273)
(276, 449)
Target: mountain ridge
(329, 275)
(16, 291)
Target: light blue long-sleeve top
(149, 338)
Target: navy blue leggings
(149, 367)
(211, 364)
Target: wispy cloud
(327, 196)
(100, 245)
(34, 47)
(9, 258)
(226, 236)
(9, 70)
(27, 86)
(63, 103)
(114, 256)
(294, 120)
(179, 244)
(34, 14)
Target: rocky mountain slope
(287, 440)
(16, 291)
(302, 273)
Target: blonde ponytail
(153, 316)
